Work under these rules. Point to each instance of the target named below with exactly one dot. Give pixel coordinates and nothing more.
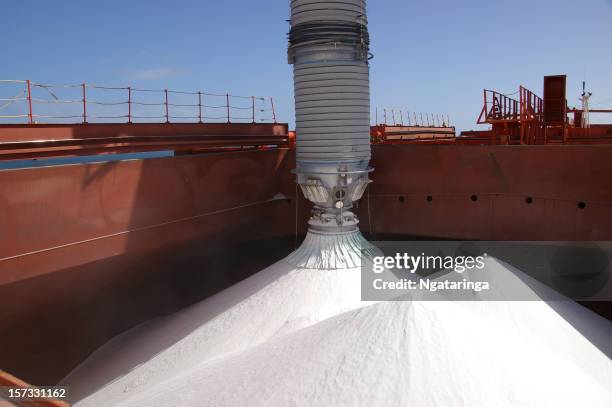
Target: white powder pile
(287, 337)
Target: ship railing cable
(107, 103)
(148, 117)
(147, 104)
(105, 87)
(54, 86)
(91, 101)
(180, 92)
(45, 116)
(37, 100)
(511, 94)
(147, 90)
(182, 105)
(10, 101)
(109, 117)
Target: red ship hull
(90, 250)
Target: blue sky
(430, 56)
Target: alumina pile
(288, 337)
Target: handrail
(497, 107)
(532, 118)
(532, 106)
(526, 114)
(37, 101)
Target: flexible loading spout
(329, 49)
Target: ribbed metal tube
(329, 45)
(306, 11)
(329, 49)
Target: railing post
(377, 116)
(129, 104)
(167, 110)
(521, 107)
(408, 114)
(273, 110)
(84, 105)
(401, 118)
(30, 114)
(385, 116)
(228, 107)
(393, 115)
(421, 119)
(253, 104)
(486, 105)
(200, 106)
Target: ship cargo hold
(218, 254)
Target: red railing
(515, 121)
(497, 107)
(40, 103)
(532, 118)
(532, 106)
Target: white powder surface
(288, 337)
